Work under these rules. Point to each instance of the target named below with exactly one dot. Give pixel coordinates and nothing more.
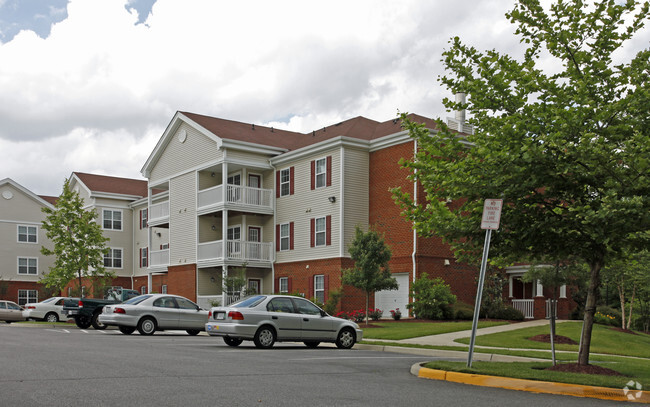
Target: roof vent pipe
(460, 114)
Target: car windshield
(249, 302)
(137, 300)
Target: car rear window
(249, 302)
(137, 300)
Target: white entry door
(392, 299)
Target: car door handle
(274, 317)
(306, 319)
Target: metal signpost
(490, 222)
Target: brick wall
(181, 280)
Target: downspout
(273, 196)
(341, 220)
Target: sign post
(490, 222)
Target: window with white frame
(319, 288)
(28, 265)
(163, 289)
(112, 219)
(27, 234)
(285, 182)
(285, 238)
(234, 239)
(321, 173)
(144, 257)
(27, 296)
(143, 289)
(284, 284)
(113, 259)
(144, 216)
(320, 231)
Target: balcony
(236, 253)
(159, 214)
(159, 258)
(238, 197)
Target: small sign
(491, 214)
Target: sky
(91, 85)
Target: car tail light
(236, 315)
(209, 314)
(31, 307)
(81, 304)
(119, 311)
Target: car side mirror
(323, 313)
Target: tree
(370, 272)
(629, 273)
(79, 245)
(566, 150)
(432, 298)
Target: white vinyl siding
(183, 220)
(355, 194)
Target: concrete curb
(603, 393)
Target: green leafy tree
(432, 298)
(629, 274)
(370, 272)
(79, 245)
(566, 149)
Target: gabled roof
(27, 192)
(50, 199)
(113, 185)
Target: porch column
(224, 233)
(149, 282)
(510, 289)
(563, 291)
(539, 291)
(224, 181)
(539, 310)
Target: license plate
(221, 315)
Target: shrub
(608, 316)
(375, 314)
(358, 315)
(332, 303)
(396, 314)
(432, 298)
(509, 313)
(463, 311)
(342, 314)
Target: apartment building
(224, 198)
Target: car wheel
(264, 337)
(193, 332)
(147, 326)
(232, 341)
(82, 321)
(312, 344)
(95, 321)
(346, 338)
(126, 330)
(51, 317)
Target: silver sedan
(155, 312)
(265, 319)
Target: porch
(532, 299)
(226, 285)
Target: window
(144, 257)
(320, 232)
(234, 238)
(321, 173)
(112, 220)
(184, 303)
(143, 289)
(27, 296)
(163, 289)
(285, 182)
(280, 305)
(113, 259)
(28, 265)
(27, 234)
(284, 237)
(319, 288)
(144, 215)
(284, 284)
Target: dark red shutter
(140, 219)
(329, 170)
(311, 287)
(277, 238)
(313, 175)
(312, 227)
(290, 235)
(289, 285)
(291, 172)
(277, 184)
(140, 260)
(328, 230)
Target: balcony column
(224, 233)
(224, 182)
(539, 291)
(563, 291)
(510, 290)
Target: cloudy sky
(90, 85)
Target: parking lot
(66, 366)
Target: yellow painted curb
(535, 386)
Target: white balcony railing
(159, 258)
(526, 307)
(159, 211)
(236, 194)
(235, 250)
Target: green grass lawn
(406, 329)
(603, 340)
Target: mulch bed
(627, 331)
(558, 339)
(588, 369)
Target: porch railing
(235, 250)
(548, 308)
(526, 307)
(159, 211)
(159, 258)
(236, 194)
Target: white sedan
(265, 319)
(50, 310)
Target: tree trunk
(629, 318)
(621, 296)
(367, 297)
(590, 310)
